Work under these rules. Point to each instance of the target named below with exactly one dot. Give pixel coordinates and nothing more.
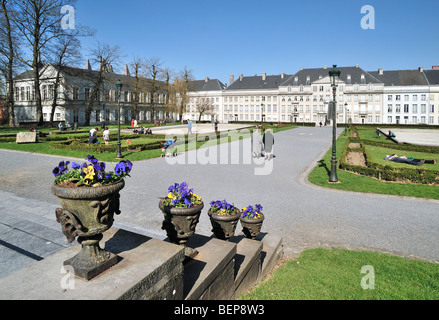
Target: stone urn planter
(224, 226)
(252, 227)
(180, 224)
(86, 213)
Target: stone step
(224, 270)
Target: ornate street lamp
(346, 118)
(119, 86)
(334, 75)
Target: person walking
(106, 136)
(189, 126)
(257, 143)
(268, 141)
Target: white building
(205, 98)
(73, 96)
(309, 91)
(406, 96)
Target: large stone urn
(86, 213)
(252, 227)
(224, 226)
(180, 224)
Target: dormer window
(349, 80)
(363, 79)
(308, 80)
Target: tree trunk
(9, 73)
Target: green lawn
(336, 274)
(354, 182)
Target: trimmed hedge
(82, 145)
(387, 172)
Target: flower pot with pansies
(89, 197)
(224, 217)
(251, 220)
(181, 209)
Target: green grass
(321, 274)
(353, 182)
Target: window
(363, 79)
(28, 93)
(75, 93)
(389, 97)
(86, 94)
(348, 79)
(398, 97)
(423, 97)
(406, 108)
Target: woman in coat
(268, 141)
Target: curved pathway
(304, 215)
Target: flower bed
(388, 172)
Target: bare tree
(64, 52)
(154, 73)
(7, 55)
(204, 105)
(39, 22)
(107, 57)
(182, 86)
(138, 86)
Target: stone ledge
(148, 269)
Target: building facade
(74, 97)
(363, 97)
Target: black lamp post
(346, 118)
(334, 75)
(119, 86)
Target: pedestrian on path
(257, 143)
(189, 126)
(268, 141)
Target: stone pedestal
(26, 137)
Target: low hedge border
(387, 172)
(82, 145)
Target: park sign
(26, 137)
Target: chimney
(282, 75)
(380, 71)
(231, 79)
(435, 67)
(240, 77)
(87, 65)
(206, 79)
(301, 68)
(421, 69)
(264, 76)
(126, 71)
(325, 67)
(356, 66)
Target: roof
(207, 85)
(91, 75)
(257, 82)
(432, 76)
(401, 77)
(308, 76)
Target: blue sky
(220, 38)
